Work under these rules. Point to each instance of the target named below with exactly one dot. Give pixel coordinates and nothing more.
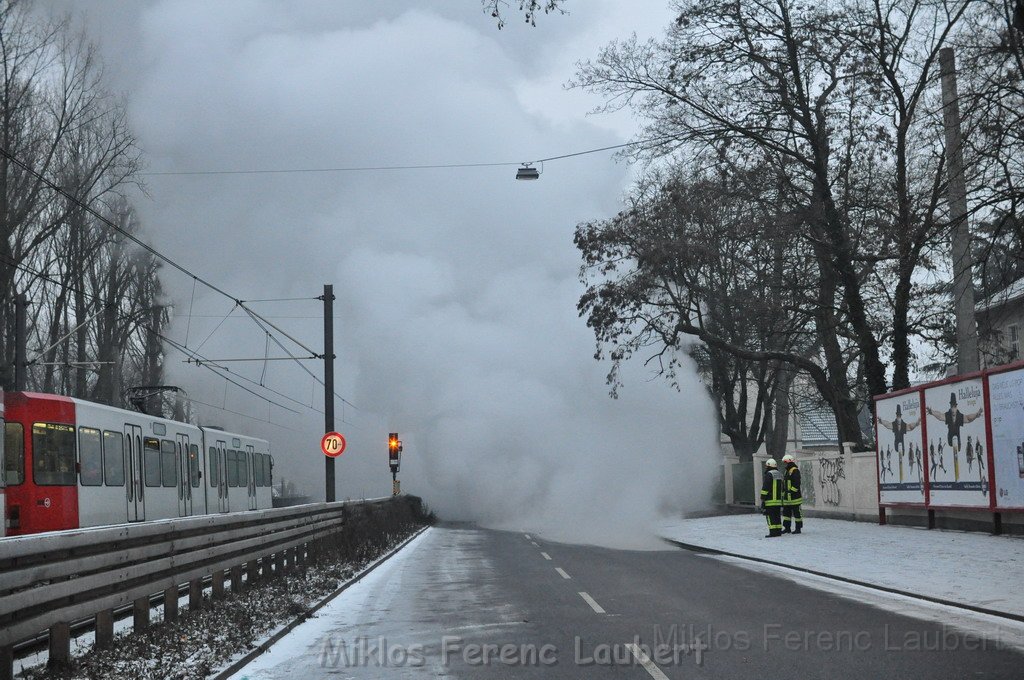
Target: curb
(864, 584)
(303, 617)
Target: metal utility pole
(20, 340)
(328, 299)
(963, 284)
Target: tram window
(14, 453)
(193, 464)
(243, 468)
(169, 460)
(53, 454)
(214, 459)
(257, 468)
(113, 458)
(151, 447)
(90, 456)
(269, 463)
(231, 463)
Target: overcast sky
(456, 320)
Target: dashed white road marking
(593, 604)
(546, 556)
(562, 572)
(534, 544)
(642, 659)
(527, 537)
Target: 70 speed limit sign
(333, 444)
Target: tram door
(222, 485)
(184, 475)
(134, 489)
(250, 464)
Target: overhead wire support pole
(20, 342)
(328, 299)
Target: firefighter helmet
(771, 463)
(788, 458)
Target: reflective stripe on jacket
(771, 490)
(793, 496)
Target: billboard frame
(996, 510)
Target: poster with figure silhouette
(900, 449)
(957, 442)
(1006, 398)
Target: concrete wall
(833, 484)
(844, 486)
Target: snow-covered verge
(975, 569)
(201, 642)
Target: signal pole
(328, 298)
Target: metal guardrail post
(236, 578)
(218, 584)
(104, 628)
(253, 570)
(195, 594)
(171, 604)
(60, 644)
(6, 662)
(140, 613)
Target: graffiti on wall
(830, 471)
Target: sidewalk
(970, 569)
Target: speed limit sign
(333, 444)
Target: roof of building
(1015, 291)
(818, 425)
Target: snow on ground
(306, 640)
(970, 568)
(999, 632)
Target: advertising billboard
(1006, 399)
(957, 431)
(900, 449)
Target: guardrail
(50, 580)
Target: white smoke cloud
(456, 320)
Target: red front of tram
(40, 463)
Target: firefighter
(771, 497)
(792, 499)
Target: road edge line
(864, 584)
(304, 616)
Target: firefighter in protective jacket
(791, 499)
(772, 497)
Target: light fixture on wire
(527, 171)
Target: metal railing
(49, 580)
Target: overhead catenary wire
(66, 336)
(301, 365)
(378, 168)
(173, 344)
(237, 413)
(53, 186)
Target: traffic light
(394, 451)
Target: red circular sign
(333, 444)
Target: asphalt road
(465, 602)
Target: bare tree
(831, 94)
(59, 125)
(699, 255)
